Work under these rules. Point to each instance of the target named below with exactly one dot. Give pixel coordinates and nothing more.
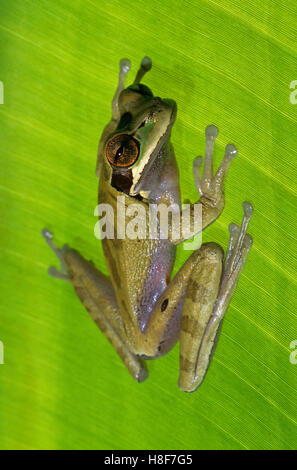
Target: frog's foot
(54, 272)
(211, 186)
(240, 243)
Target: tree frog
(139, 308)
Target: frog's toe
(125, 66)
(47, 234)
(145, 66)
(204, 184)
(146, 63)
(196, 173)
(211, 133)
(230, 153)
(240, 241)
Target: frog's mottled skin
(140, 310)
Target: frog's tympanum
(140, 309)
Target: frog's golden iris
(122, 151)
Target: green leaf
(229, 63)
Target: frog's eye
(122, 151)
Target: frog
(140, 307)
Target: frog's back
(140, 268)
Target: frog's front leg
(201, 290)
(211, 186)
(97, 295)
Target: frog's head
(142, 128)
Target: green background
(224, 62)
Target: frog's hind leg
(196, 352)
(97, 295)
